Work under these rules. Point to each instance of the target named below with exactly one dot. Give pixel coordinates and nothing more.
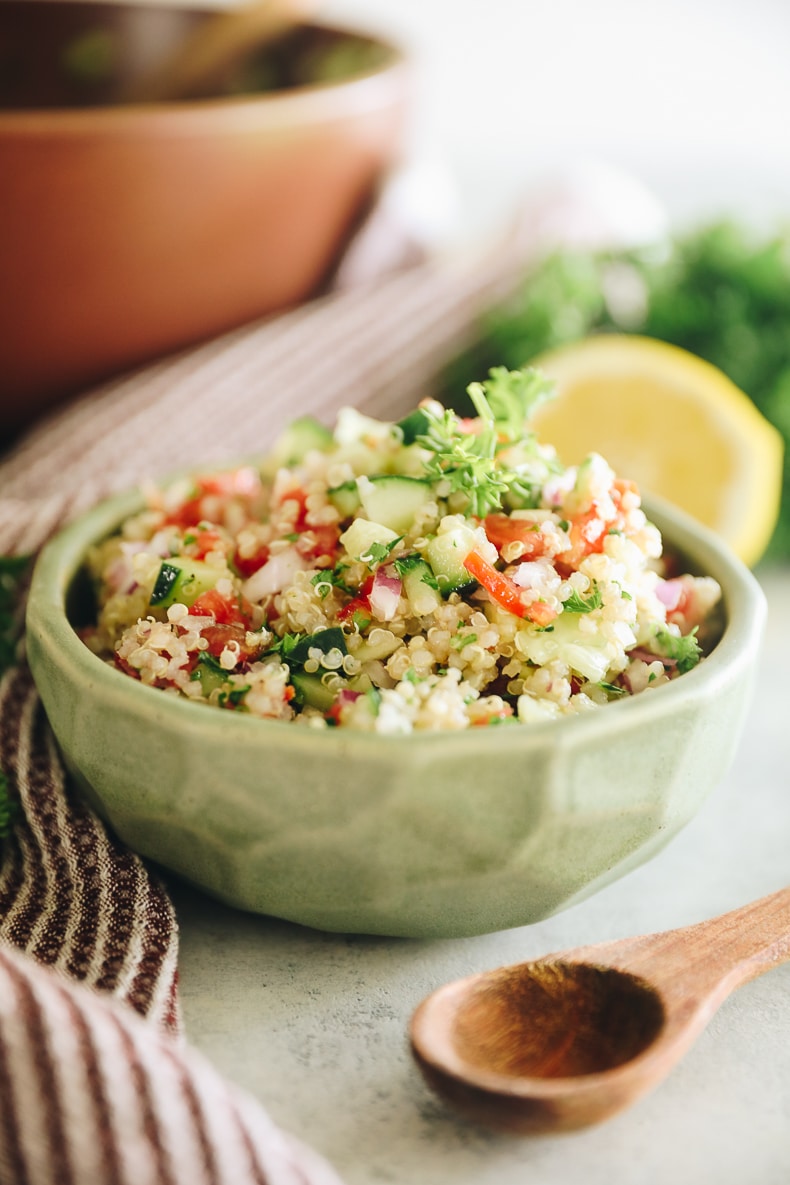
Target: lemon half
(673, 423)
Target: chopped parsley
(467, 461)
(329, 578)
(378, 552)
(579, 604)
(685, 652)
(234, 698)
(462, 640)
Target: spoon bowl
(567, 1041)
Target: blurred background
(690, 95)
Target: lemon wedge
(673, 423)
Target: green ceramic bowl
(431, 835)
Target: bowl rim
(60, 559)
(325, 100)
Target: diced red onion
(646, 656)
(669, 593)
(384, 595)
(275, 574)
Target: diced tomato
(246, 565)
(358, 604)
(218, 636)
(589, 529)
(201, 541)
(244, 482)
(299, 496)
(501, 529)
(188, 514)
(224, 610)
(318, 541)
(505, 592)
(126, 667)
(238, 483)
(621, 486)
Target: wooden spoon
(572, 1038)
(216, 44)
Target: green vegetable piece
(312, 691)
(297, 439)
(345, 498)
(684, 651)
(323, 640)
(181, 579)
(393, 499)
(210, 673)
(414, 425)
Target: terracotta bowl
(429, 835)
(131, 229)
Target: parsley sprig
(468, 461)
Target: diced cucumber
(380, 643)
(210, 673)
(302, 435)
(415, 424)
(181, 579)
(393, 499)
(345, 498)
(446, 554)
(312, 691)
(332, 638)
(419, 584)
(362, 534)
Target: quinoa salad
(437, 573)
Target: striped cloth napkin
(97, 1084)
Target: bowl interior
(64, 54)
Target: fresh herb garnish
(467, 461)
(459, 641)
(329, 578)
(579, 604)
(378, 552)
(234, 698)
(683, 651)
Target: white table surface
(693, 98)
(314, 1025)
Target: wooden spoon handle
(720, 953)
(213, 46)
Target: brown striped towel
(94, 1087)
(92, 1095)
